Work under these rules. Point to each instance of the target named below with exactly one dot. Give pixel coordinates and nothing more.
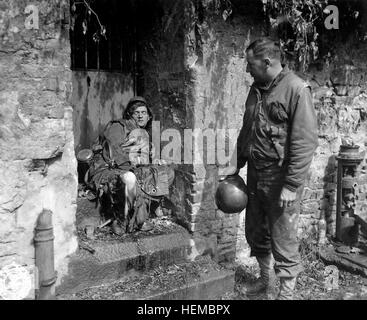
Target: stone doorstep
(211, 287)
(111, 262)
(212, 284)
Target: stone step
(117, 260)
(199, 280)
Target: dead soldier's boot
(266, 281)
(287, 286)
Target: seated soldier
(121, 171)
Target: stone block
(7, 227)
(324, 204)
(226, 237)
(310, 205)
(230, 230)
(322, 93)
(354, 91)
(215, 226)
(206, 195)
(231, 223)
(200, 185)
(7, 248)
(227, 255)
(227, 216)
(362, 179)
(195, 208)
(203, 215)
(198, 227)
(226, 245)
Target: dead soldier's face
(141, 116)
(255, 67)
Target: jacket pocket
(278, 135)
(277, 112)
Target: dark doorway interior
(111, 36)
(103, 36)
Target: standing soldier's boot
(287, 286)
(267, 277)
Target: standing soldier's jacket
(280, 126)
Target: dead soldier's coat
(123, 142)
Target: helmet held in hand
(231, 195)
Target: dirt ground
(311, 282)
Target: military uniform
(277, 140)
(118, 156)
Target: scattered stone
(343, 249)
(331, 274)
(89, 231)
(87, 247)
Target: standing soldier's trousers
(269, 227)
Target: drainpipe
(44, 251)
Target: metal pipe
(349, 159)
(44, 252)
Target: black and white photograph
(200, 154)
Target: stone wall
(162, 77)
(192, 71)
(97, 98)
(161, 61)
(217, 89)
(340, 99)
(217, 86)
(38, 165)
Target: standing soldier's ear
(267, 62)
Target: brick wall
(340, 99)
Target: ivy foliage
(296, 22)
(89, 14)
(300, 26)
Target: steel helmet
(231, 195)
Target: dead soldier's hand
(287, 198)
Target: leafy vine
(101, 32)
(303, 17)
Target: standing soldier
(277, 141)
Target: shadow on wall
(222, 53)
(222, 85)
(98, 97)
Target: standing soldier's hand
(287, 198)
(228, 171)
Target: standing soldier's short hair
(265, 46)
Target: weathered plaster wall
(97, 98)
(38, 166)
(217, 89)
